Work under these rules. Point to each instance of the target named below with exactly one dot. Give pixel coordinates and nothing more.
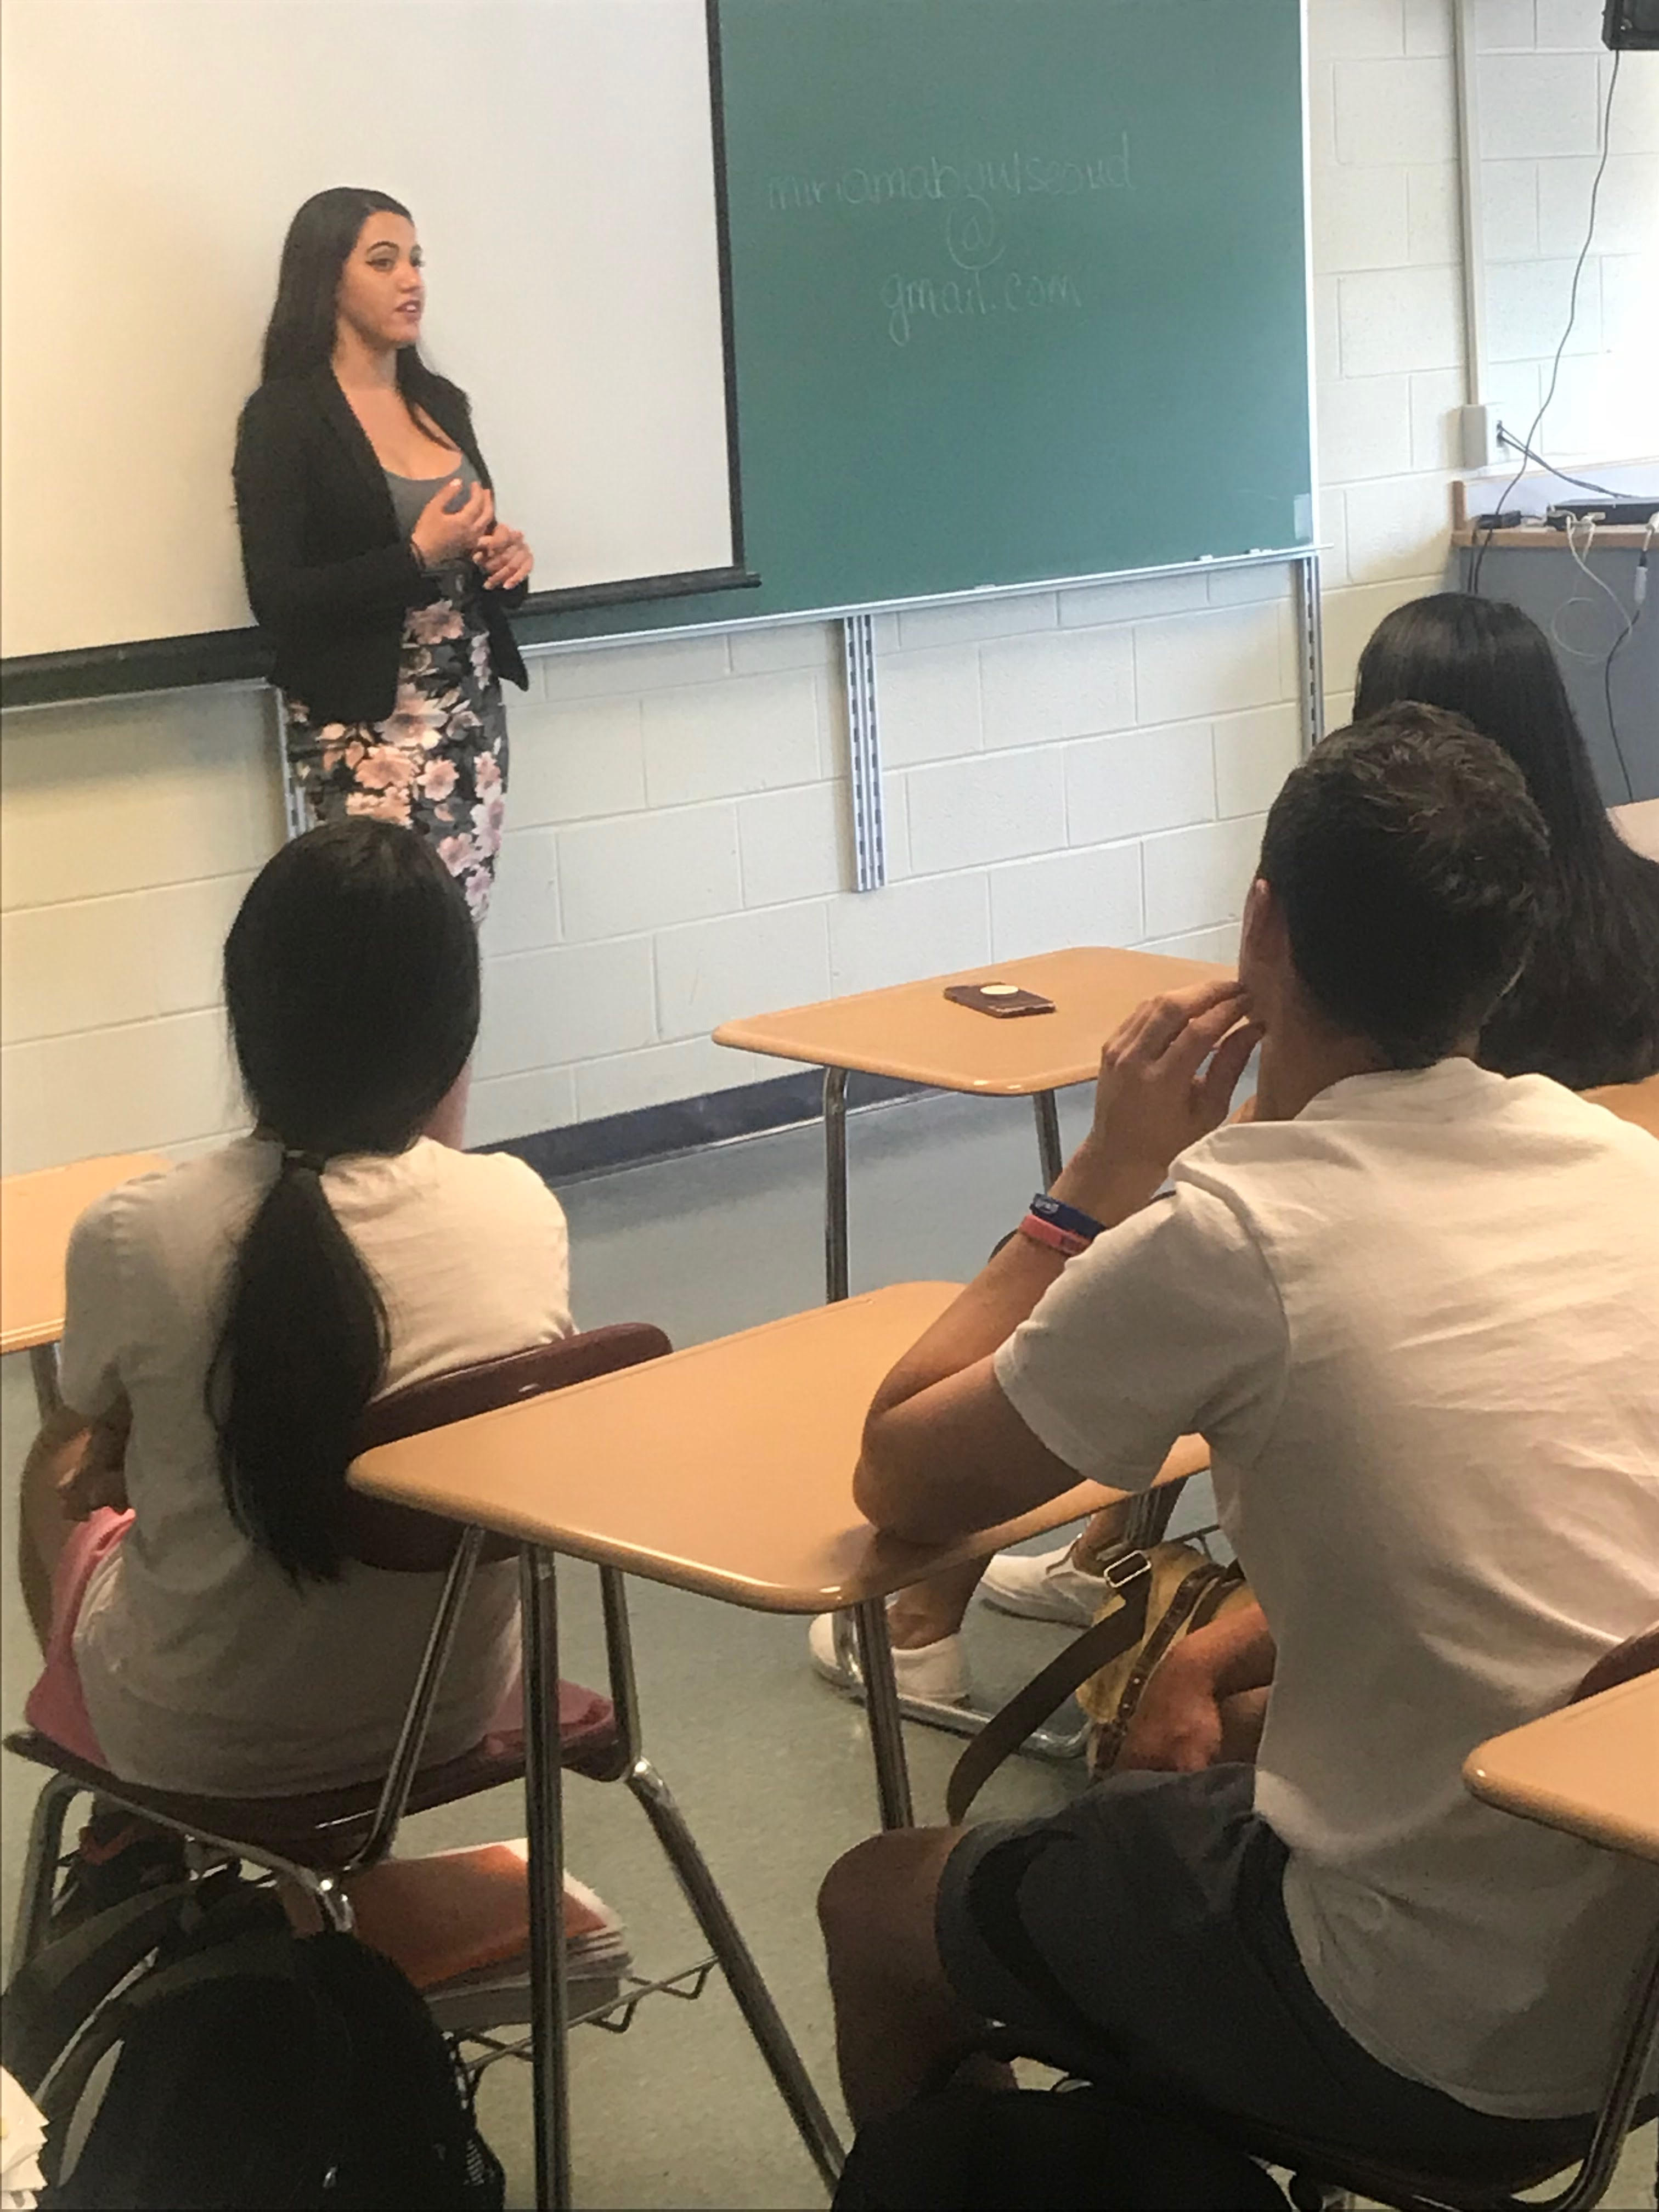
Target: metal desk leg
(1047, 1121)
(834, 1184)
(702, 1893)
(721, 1934)
(881, 1707)
(43, 1373)
(544, 1818)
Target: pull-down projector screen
(559, 158)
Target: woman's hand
(441, 536)
(503, 557)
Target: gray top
(410, 494)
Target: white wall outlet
(1478, 428)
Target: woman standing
(374, 557)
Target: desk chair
(1324, 2174)
(320, 1839)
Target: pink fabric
(583, 1715)
(57, 1706)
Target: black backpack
(1040, 2150)
(251, 2068)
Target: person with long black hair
(206, 1629)
(1585, 1008)
(374, 559)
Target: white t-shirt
(204, 1668)
(1420, 1326)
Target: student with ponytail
(229, 1321)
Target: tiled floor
(771, 1766)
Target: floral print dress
(438, 761)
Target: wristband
(1051, 1234)
(1071, 1219)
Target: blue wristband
(1071, 1218)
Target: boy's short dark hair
(1411, 866)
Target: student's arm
(286, 590)
(83, 1461)
(98, 1299)
(944, 1451)
(1181, 1722)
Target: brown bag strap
(1131, 1578)
(1196, 1600)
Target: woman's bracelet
(1062, 1228)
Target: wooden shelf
(1539, 537)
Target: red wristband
(1051, 1234)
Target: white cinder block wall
(1086, 765)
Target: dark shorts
(1140, 1935)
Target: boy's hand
(1178, 1725)
(1166, 1079)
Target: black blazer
(329, 576)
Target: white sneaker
(1043, 1586)
(933, 1674)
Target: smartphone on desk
(1000, 1000)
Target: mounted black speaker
(1630, 23)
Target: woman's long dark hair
(1586, 1008)
(352, 982)
(300, 336)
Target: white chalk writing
(977, 294)
(1009, 176)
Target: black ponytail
(304, 1352)
(352, 982)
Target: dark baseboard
(687, 1125)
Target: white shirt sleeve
(535, 1221)
(89, 1363)
(1170, 1324)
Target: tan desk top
(913, 1032)
(1632, 1101)
(1592, 1769)
(726, 1469)
(1637, 823)
(37, 1213)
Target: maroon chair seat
(325, 1829)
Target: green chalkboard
(1018, 292)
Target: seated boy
(1412, 1306)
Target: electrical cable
(1579, 599)
(1483, 545)
(1639, 593)
(1626, 624)
(1519, 446)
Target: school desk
(726, 1469)
(1637, 823)
(913, 1033)
(37, 1213)
(1591, 1768)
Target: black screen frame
(239, 656)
